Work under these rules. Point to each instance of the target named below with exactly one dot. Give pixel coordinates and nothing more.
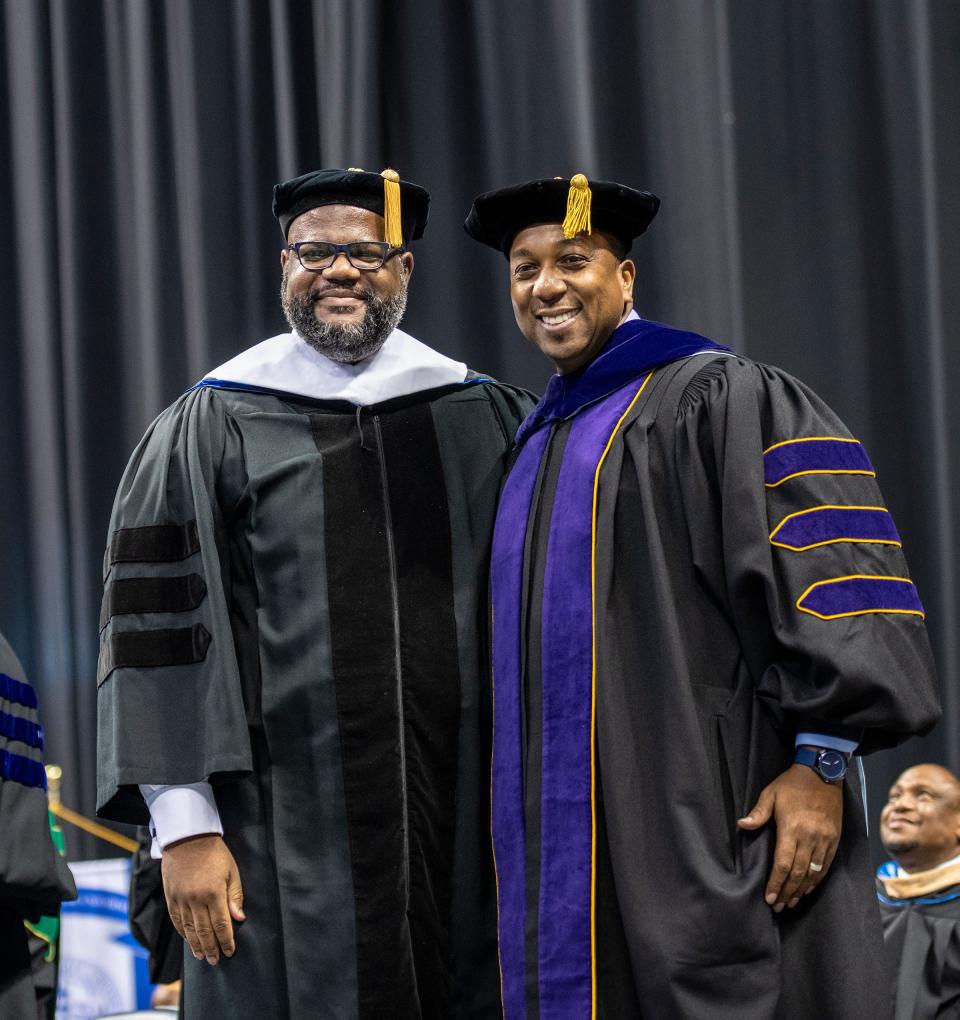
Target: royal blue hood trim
(241, 387)
(636, 347)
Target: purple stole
(566, 938)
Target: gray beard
(350, 343)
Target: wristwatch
(829, 765)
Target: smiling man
(293, 682)
(919, 892)
(349, 317)
(701, 609)
(570, 313)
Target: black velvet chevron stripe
(158, 543)
(152, 595)
(143, 649)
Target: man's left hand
(808, 814)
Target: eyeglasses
(364, 255)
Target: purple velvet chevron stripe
(509, 836)
(17, 691)
(823, 524)
(15, 727)
(566, 821)
(798, 456)
(852, 596)
(25, 771)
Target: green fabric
(56, 834)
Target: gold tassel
(577, 220)
(391, 208)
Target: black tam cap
(498, 216)
(402, 204)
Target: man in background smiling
(919, 892)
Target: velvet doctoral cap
(376, 192)
(498, 216)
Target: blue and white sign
(102, 967)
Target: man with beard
(293, 676)
(701, 608)
(919, 892)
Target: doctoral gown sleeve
(34, 879)
(170, 704)
(787, 525)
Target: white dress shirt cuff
(177, 812)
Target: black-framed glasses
(364, 255)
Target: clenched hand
(204, 894)
(808, 814)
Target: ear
(406, 260)
(285, 253)
(627, 272)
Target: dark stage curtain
(805, 151)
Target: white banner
(102, 967)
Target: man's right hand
(204, 895)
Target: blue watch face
(832, 765)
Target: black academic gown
(922, 941)
(34, 879)
(295, 609)
(705, 667)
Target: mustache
(361, 295)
